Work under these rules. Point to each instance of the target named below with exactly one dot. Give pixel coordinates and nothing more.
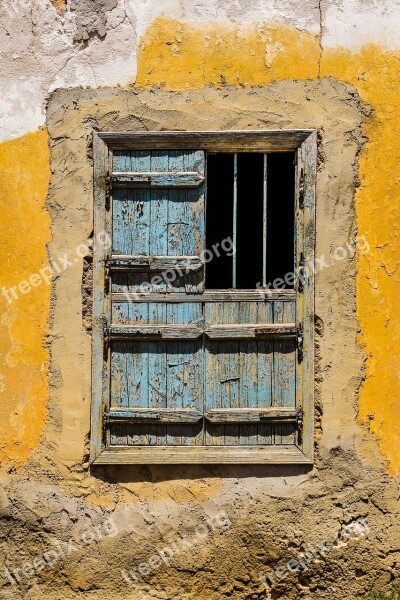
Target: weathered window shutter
(188, 374)
(156, 347)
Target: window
(203, 306)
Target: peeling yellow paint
(179, 56)
(25, 230)
(376, 76)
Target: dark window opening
(280, 221)
(249, 242)
(259, 217)
(219, 220)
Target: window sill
(202, 455)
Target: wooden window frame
(304, 143)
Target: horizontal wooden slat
(156, 332)
(173, 179)
(159, 415)
(250, 331)
(215, 332)
(283, 140)
(208, 296)
(154, 263)
(251, 415)
(200, 454)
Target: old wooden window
(196, 356)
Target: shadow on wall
(168, 472)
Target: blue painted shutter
(254, 374)
(164, 218)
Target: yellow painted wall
(179, 56)
(24, 232)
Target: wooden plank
(221, 296)
(173, 179)
(154, 263)
(131, 213)
(204, 455)
(195, 211)
(250, 330)
(213, 435)
(230, 372)
(185, 375)
(180, 224)
(306, 197)
(264, 372)
(186, 221)
(136, 313)
(119, 390)
(137, 375)
(159, 208)
(250, 415)
(176, 370)
(283, 140)
(160, 415)
(229, 384)
(158, 391)
(100, 364)
(284, 371)
(248, 312)
(155, 332)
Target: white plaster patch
(355, 23)
(111, 61)
(39, 55)
(300, 15)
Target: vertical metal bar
(264, 272)
(234, 220)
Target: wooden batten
(143, 264)
(251, 415)
(158, 415)
(158, 180)
(250, 331)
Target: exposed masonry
(91, 17)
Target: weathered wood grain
(155, 332)
(250, 415)
(160, 415)
(153, 179)
(283, 140)
(100, 362)
(305, 209)
(204, 455)
(155, 263)
(125, 293)
(250, 331)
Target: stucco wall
(214, 65)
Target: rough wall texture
(274, 512)
(218, 64)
